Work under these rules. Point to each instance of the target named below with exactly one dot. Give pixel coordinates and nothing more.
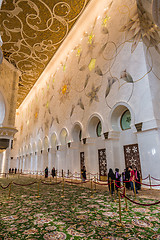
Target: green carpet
(75, 216)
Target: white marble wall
(111, 71)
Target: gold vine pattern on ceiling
(32, 31)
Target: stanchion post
(95, 184)
(91, 188)
(81, 182)
(134, 187)
(38, 189)
(114, 191)
(120, 214)
(126, 208)
(150, 181)
(110, 186)
(141, 181)
(9, 194)
(97, 176)
(63, 187)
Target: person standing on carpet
(132, 179)
(117, 178)
(53, 172)
(83, 173)
(46, 172)
(127, 178)
(137, 178)
(111, 176)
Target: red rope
(145, 178)
(141, 204)
(50, 183)
(118, 186)
(75, 182)
(6, 186)
(100, 180)
(148, 184)
(24, 184)
(101, 183)
(155, 179)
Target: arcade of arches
(100, 91)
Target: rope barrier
(24, 185)
(141, 204)
(101, 183)
(119, 186)
(92, 174)
(148, 184)
(155, 178)
(5, 186)
(45, 183)
(145, 178)
(77, 182)
(77, 177)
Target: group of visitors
(53, 172)
(12, 170)
(129, 177)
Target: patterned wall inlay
(131, 153)
(32, 31)
(82, 163)
(102, 162)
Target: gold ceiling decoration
(32, 31)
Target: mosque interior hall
(80, 119)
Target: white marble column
(149, 150)
(61, 158)
(35, 161)
(53, 158)
(23, 163)
(112, 145)
(45, 159)
(50, 161)
(74, 157)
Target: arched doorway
(77, 163)
(126, 150)
(97, 151)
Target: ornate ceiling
(32, 31)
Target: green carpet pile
(80, 214)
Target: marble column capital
(153, 124)
(112, 135)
